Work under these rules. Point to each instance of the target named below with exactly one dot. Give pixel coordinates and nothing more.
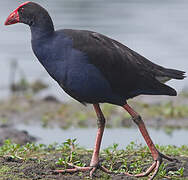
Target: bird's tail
(164, 76)
(167, 74)
(174, 74)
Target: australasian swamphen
(93, 68)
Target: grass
(134, 159)
(74, 114)
(166, 110)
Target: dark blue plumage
(72, 69)
(93, 68)
(83, 72)
(89, 66)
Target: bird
(93, 69)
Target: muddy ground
(40, 163)
(157, 112)
(32, 169)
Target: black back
(128, 73)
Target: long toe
(158, 163)
(168, 158)
(75, 169)
(90, 169)
(154, 168)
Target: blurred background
(155, 29)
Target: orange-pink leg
(94, 164)
(157, 156)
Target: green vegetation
(42, 160)
(165, 110)
(169, 114)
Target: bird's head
(28, 13)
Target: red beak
(13, 18)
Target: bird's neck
(40, 29)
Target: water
(155, 29)
(122, 136)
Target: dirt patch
(44, 169)
(39, 162)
